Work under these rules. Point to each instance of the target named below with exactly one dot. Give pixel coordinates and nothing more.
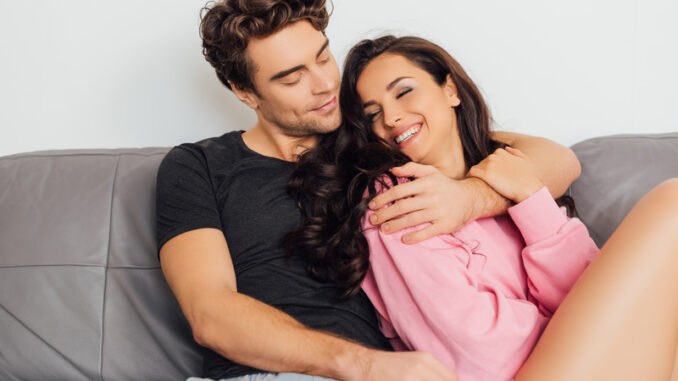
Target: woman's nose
(392, 119)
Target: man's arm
(450, 204)
(198, 268)
(556, 166)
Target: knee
(664, 200)
(666, 192)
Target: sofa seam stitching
(108, 255)
(42, 340)
(65, 154)
(78, 265)
(48, 265)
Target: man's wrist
(353, 362)
(485, 201)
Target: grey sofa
(82, 296)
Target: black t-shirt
(221, 183)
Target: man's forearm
(556, 166)
(252, 333)
(486, 201)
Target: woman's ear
(451, 92)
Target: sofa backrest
(82, 296)
(616, 172)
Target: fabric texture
(478, 299)
(82, 296)
(616, 172)
(220, 183)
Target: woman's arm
(557, 249)
(555, 165)
(436, 302)
(450, 204)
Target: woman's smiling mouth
(408, 134)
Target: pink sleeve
(558, 249)
(436, 304)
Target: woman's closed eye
(403, 92)
(372, 116)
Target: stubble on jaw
(306, 128)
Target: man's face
(297, 79)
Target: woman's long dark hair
(330, 181)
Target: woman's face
(409, 109)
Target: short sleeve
(185, 198)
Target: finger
(478, 172)
(474, 171)
(409, 220)
(404, 206)
(423, 234)
(515, 152)
(396, 193)
(413, 169)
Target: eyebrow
(388, 88)
(299, 67)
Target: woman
(479, 299)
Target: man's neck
(273, 142)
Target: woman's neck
(449, 158)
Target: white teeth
(407, 134)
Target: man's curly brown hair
(228, 26)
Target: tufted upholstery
(616, 172)
(82, 296)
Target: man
(223, 209)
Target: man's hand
(402, 366)
(451, 204)
(509, 172)
(446, 203)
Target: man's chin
(328, 125)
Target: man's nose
(323, 82)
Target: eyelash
(398, 96)
(322, 61)
(292, 83)
(403, 93)
(371, 117)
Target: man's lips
(329, 105)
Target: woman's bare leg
(674, 377)
(620, 320)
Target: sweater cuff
(538, 216)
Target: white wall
(91, 74)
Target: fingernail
(373, 218)
(372, 205)
(384, 227)
(407, 238)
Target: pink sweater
(478, 299)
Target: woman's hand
(446, 203)
(508, 172)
